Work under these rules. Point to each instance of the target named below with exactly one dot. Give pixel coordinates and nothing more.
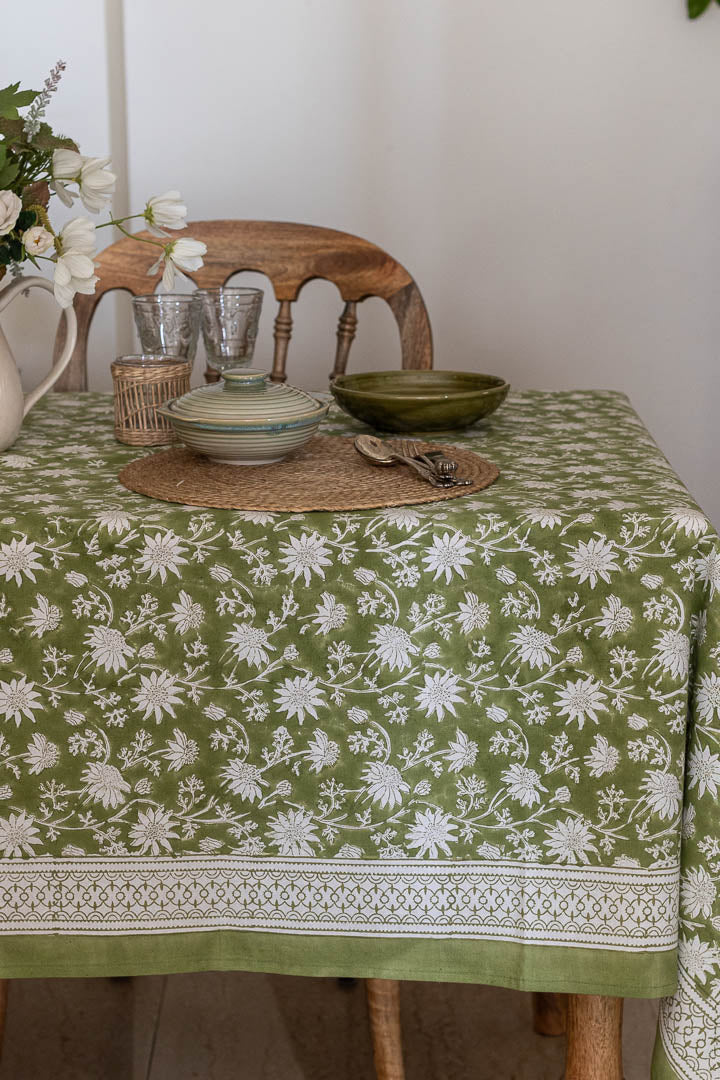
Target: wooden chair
(289, 255)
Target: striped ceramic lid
(244, 396)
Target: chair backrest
(289, 255)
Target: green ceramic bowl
(419, 400)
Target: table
(470, 741)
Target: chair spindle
(282, 334)
(347, 326)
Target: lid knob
(243, 378)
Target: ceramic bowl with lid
(245, 419)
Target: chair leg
(550, 1014)
(383, 996)
(594, 1038)
(4, 987)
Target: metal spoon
(380, 453)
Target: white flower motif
(602, 758)
(402, 517)
(18, 836)
(153, 831)
(157, 694)
(472, 614)
(662, 793)
(115, 521)
(74, 267)
(708, 570)
(293, 833)
(188, 615)
(251, 644)
(581, 700)
(37, 240)
(672, 650)
(616, 618)
(533, 646)
(692, 522)
(108, 648)
(329, 614)
(448, 555)
(182, 254)
(570, 841)
(523, 784)
(19, 558)
(180, 751)
(165, 211)
(10, 207)
(652, 581)
(18, 699)
(299, 696)
(497, 714)
(244, 779)
(44, 617)
(162, 554)
(593, 560)
(506, 575)
(439, 693)
(105, 784)
(41, 754)
(393, 647)
(322, 751)
(385, 784)
(76, 579)
(704, 771)
(95, 181)
(431, 833)
(462, 753)
(699, 958)
(697, 892)
(707, 697)
(304, 555)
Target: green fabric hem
(661, 1068)
(508, 964)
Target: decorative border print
(628, 909)
(689, 1031)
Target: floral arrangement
(698, 7)
(35, 163)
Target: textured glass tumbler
(168, 323)
(230, 320)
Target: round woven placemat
(326, 474)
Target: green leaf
(8, 174)
(25, 219)
(697, 7)
(12, 99)
(45, 140)
(5, 256)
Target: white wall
(550, 174)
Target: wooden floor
(268, 1027)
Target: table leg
(383, 996)
(594, 1038)
(550, 1014)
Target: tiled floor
(269, 1027)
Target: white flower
(18, 558)
(546, 519)
(293, 833)
(393, 647)
(105, 784)
(462, 753)
(299, 696)
(637, 722)
(115, 521)
(41, 754)
(251, 644)
(663, 793)
(506, 575)
(439, 693)
(432, 832)
(687, 828)
(220, 573)
(157, 694)
(692, 522)
(448, 555)
(329, 614)
(615, 617)
(162, 554)
(44, 617)
(108, 648)
(698, 957)
(672, 650)
(180, 751)
(74, 267)
(188, 615)
(651, 581)
(18, 835)
(322, 752)
(153, 831)
(472, 614)
(182, 254)
(166, 211)
(603, 758)
(707, 697)
(698, 892)
(523, 784)
(534, 646)
(10, 207)
(385, 784)
(365, 577)
(570, 841)
(708, 570)
(497, 714)
(349, 851)
(76, 579)
(593, 560)
(704, 770)
(244, 779)
(581, 700)
(18, 698)
(95, 181)
(37, 240)
(402, 517)
(304, 555)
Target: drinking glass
(168, 323)
(230, 319)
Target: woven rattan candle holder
(140, 384)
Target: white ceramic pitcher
(14, 405)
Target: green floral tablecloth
(475, 740)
